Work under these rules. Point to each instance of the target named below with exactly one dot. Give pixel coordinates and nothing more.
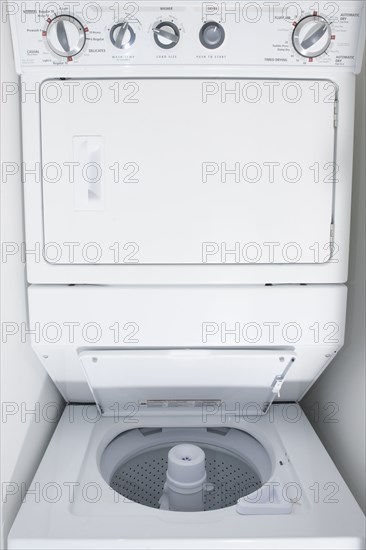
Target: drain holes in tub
(141, 479)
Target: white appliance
(187, 181)
(128, 132)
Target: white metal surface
(325, 516)
(289, 242)
(309, 320)
(235, 259)
(229, 177)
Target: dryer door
(126, 381)
(188, 171)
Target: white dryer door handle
(88, 185)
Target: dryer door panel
(187, 171)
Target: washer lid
(124, 382)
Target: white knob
(312, 36)
(66, 36)
(166, 35)
(122, 35)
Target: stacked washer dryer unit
(187, 243)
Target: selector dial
(122, 35)
(212, 35)
(312, 36)
(65, 35)
(166, 34)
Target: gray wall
(25, 386)
(343, 383)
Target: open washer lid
(124, 382)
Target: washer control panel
(242, 33)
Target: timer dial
(65, 36)
(312, 36)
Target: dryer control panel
(125, 33)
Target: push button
(212, 35)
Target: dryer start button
(212, 35)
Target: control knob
(312, 36)
(65, 35)
(122, 35)
(166, 34)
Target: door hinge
(275, 392)
(332, 233)
(336, 113)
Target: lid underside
(184, 378)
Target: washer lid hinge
(275, 392)
(277, 385)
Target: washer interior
(135, 463)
